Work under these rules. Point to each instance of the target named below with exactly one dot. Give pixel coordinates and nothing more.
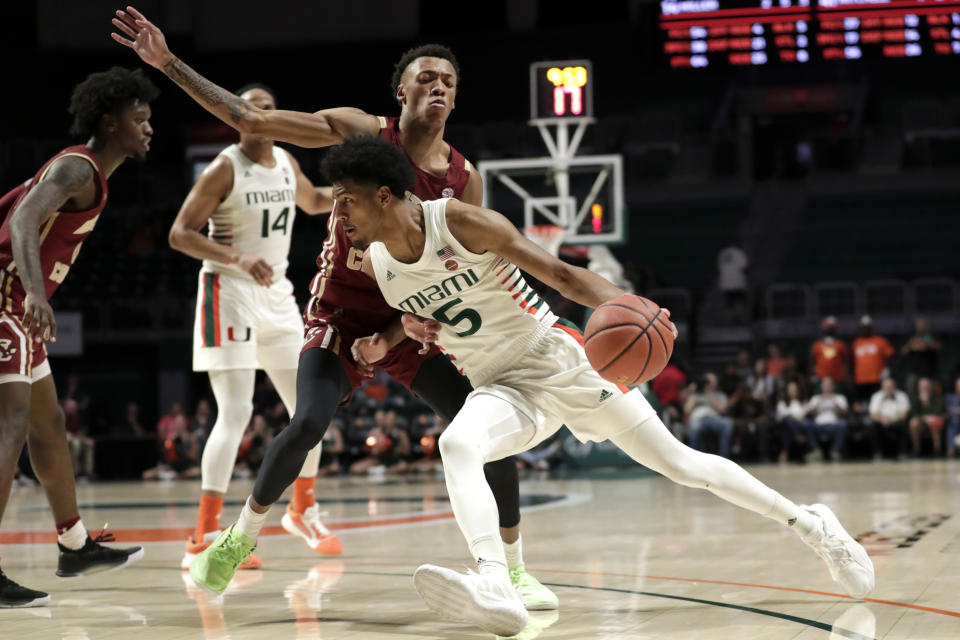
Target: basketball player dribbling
(346, 304)
(460, 264)
(45, 221)
(247, 317)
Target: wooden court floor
(635, 558)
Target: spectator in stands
(926, 414)
(202, 418)
(180, 453)
(253, 446)
(167, 425)
(952, 406)
(429, 462)
(922, 355)
(744, 363)
(276, 415)
(732, 263)
(870, 355)
(750, 423)
(668, 387)
(775, 361)
(828, 410)
(731, 379)
(131, 421)
(80, 444)
(387, 445)
(762, 385)
(706, 408)
(830, 355)
(889, 408)
(333, 447)
(791, 415)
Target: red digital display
(561, 89)
(704, 33)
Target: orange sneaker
(194, 548)
(307, 525)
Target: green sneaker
(536, 597)
(214, 568)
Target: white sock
(250, 521)
(74, 537)
(514, 553)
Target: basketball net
(548, 237)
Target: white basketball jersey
(257, 216)
(489, 316)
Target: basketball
(628, 340)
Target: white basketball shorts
(243, 325)
(550, 386)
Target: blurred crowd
(383, 429)
(835, 401)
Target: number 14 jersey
(257, 216)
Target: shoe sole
(859, 554)
(133, 557)
(444, 592)
(190, 558)
(542, 606)
(203, 587)
(36, 602)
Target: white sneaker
(308, 526)
(849, 564)
(480, 600)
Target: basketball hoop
(548, 237)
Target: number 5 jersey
(489, 316)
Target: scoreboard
(704, 33)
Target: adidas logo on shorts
(390, 275)
(604, 395)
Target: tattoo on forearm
(204, 90)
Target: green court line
(853, 635)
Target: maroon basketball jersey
(339, 285)
(61, 235)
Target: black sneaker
(93, 557)
(15, 595)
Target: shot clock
(561, 89)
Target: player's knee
(686, 470)
(14, 423)
(307, 429)
(457, 447)
(236, 415)
(49, 426)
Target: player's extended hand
(257, 267)
(368, 350)
(38, 318)
(146, 38)
(423, 330)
